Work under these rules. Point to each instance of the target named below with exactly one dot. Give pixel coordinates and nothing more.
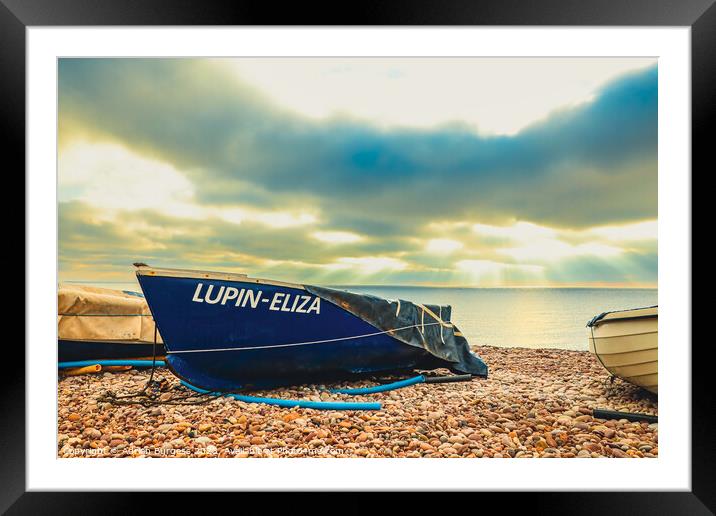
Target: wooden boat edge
(145, 270)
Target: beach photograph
(374, 257)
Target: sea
(512, 317)
(523, 317)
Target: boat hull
(626, 343)
(73, 350)
(231, 334)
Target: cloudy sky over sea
(452, 172)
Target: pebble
(536, 403)
(92, 433)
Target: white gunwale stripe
(295, 343)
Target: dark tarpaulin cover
(423, 326)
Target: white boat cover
(87, 313)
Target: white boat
(626, 343)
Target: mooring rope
(149, 395)
(307, 342)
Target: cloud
(443, 245)
(90, 237)
(638, 231)
(113, 177)
(590, 164)
(96, 245)
(337, 237)
(426, 92)
(178, 162)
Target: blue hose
(320, 405)
(382, 388)
(133, 363)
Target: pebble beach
(535, 403)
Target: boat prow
(626, 343)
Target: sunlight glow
(368, 264)
(647, 230)
(493, 272)
(534, 243)
(554, 250)
(443, 246)
(112, 177)
(336, 237)
(519, 231)
(274, 219)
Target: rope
(132, 363)
(104, 315)
(150, 393)
(301, 343)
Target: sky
(473, 172)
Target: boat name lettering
(243, 298)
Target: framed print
(359, 258)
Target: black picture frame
(17, 15)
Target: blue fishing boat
(227, 332)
